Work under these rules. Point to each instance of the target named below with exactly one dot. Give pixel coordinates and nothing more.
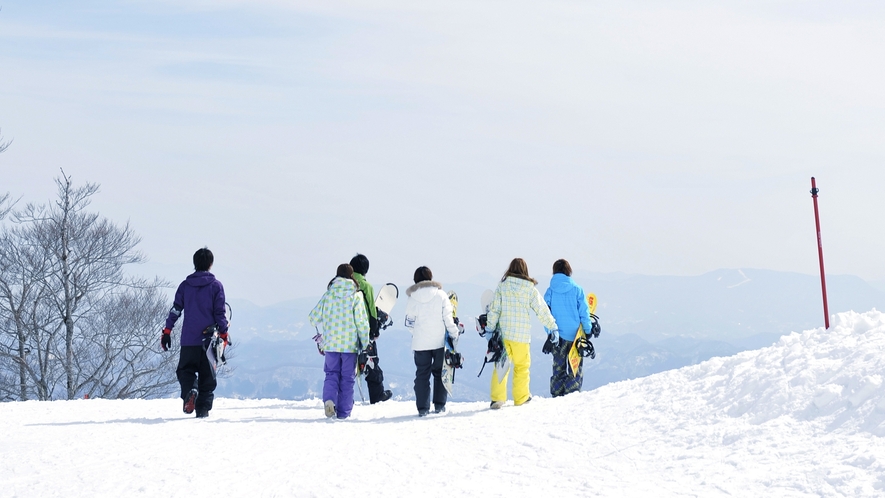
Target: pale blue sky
(624, 137)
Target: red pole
(820, 254)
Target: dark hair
(344, 270)
(360, 264)
(519, 269)
(423, 273)
(203, 259)
(562, 266)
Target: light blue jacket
(568, 305)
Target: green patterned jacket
(342, 313)
(514, 298)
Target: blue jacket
(568, 305)
(201, 297)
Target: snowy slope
(803, 417)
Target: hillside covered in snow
(804, 417)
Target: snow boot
(329, 407)
(190, 400)
(423, 413)
(496, 405)
(439, 408)
(386, 395)
(202, 413)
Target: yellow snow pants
(520, 360)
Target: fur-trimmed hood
(426, 284)
(429, 316)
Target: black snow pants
(427, 363)
(195, 372)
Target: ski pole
(820, 253)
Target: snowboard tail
(214, 345)
(582, 347)
(452, 358)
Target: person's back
(345, 327)
(429, 315)
(335, 311)
(568, 305)
(509, 312)
(200, 297)
(515, 299)
(374, 374)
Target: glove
(452, 339)
(319, 340)
(166, 339)
(548, 345)
(223, 336)
(554, 337)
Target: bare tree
(28, 344)
(67, 306)
(118, 357)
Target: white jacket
(429, 316)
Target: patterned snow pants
(562, 382)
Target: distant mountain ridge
(650, 324)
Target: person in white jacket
(429, 318)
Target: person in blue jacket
(201, 298)
(568, 305)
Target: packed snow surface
(804, 417)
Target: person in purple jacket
(201, 298)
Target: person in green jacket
(374, 376)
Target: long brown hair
(519, 269)
(344, 271)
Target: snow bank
(803, 417)
(832, 376)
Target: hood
(200, 279)
(424, 291)
(342, 288)
(562, 283)
(517, 283)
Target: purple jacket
(201, 297)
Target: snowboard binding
(495, 350)
(595, 328)
(366, 357)
(585, 347)
(384, 320)
(454, 359)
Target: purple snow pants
(338, 387)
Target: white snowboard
(385, 300)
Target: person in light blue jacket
(568, 305)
